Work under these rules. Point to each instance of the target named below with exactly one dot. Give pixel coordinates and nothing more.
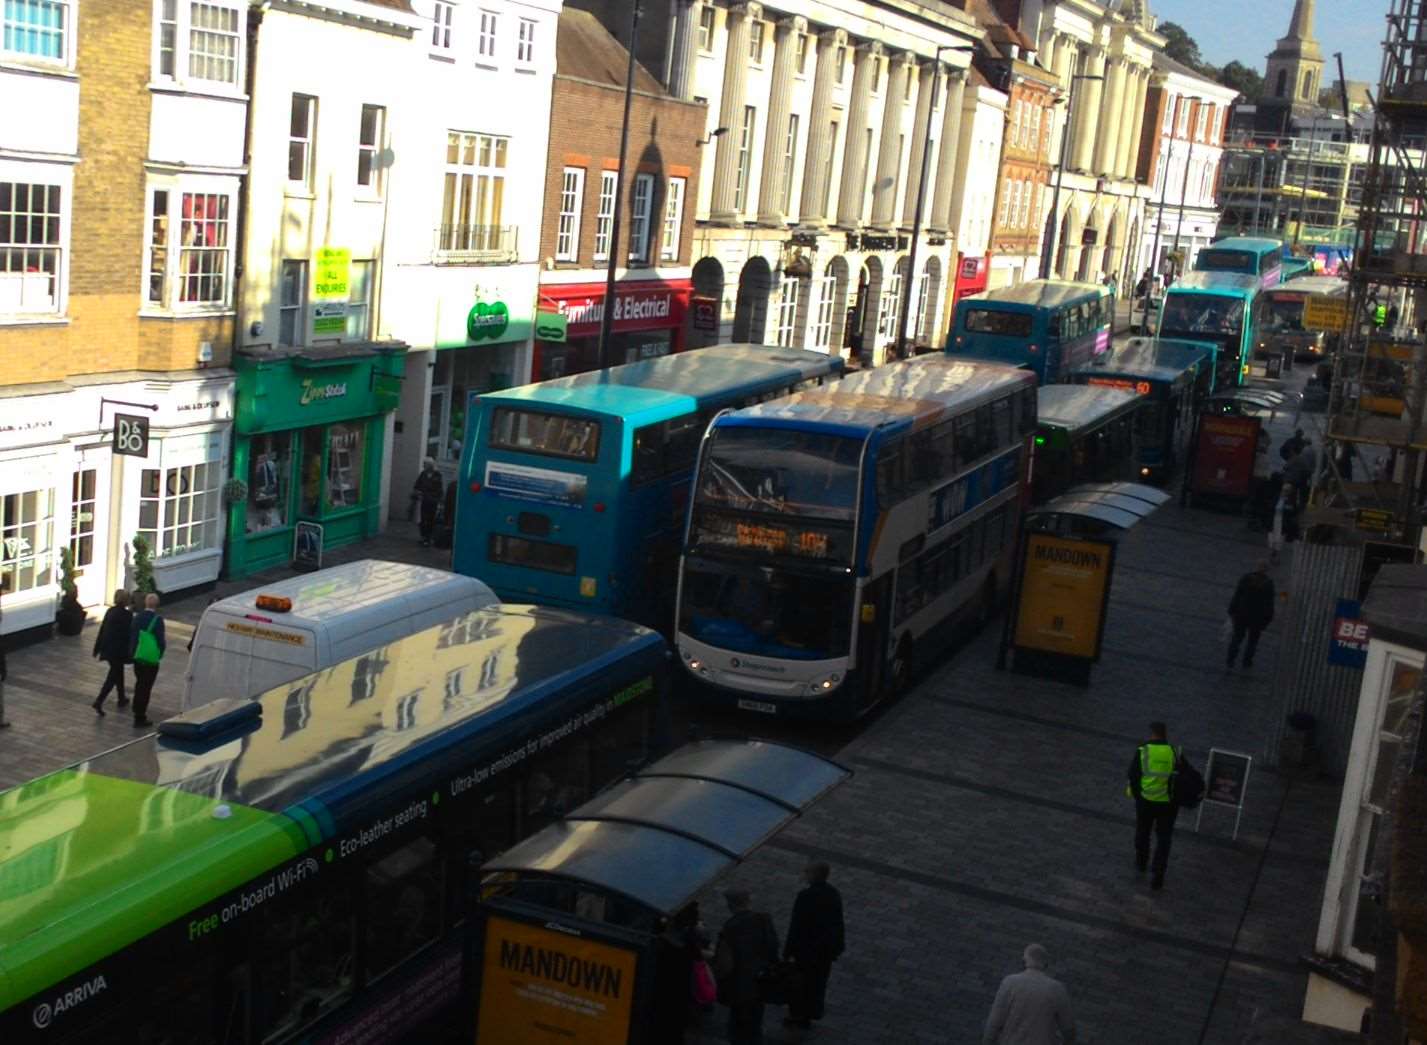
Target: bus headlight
(692, 661)
(825, 685)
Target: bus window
(991, 321)
(968, 443)
(1202, 313)
(311, 944)
(403, 904)
(783, 471)
(1001, 421)
(555, 783)
(536, 555)
(664, 449)
(538, 433)
(1057, 322)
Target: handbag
(701, 984)
(148, 651)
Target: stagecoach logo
(46, 1012)
(734, 662)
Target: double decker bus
(833, 532)
(1284, 329)
(1247, 255)
(299, 868)
(1220, 307)
(1048, 326)
(573, 491)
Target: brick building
(121, 154)
(652, 303)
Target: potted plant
(69, 618)
(143, 570)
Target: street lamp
(921, 199)
(1159, 213)
(1049, 250)
(607, 314)
(1184, 188)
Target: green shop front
(309, 442)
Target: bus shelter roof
(1120, 505)
(662, 835)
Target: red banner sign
(644, 305)
(1224, 458)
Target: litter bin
(1273, 365)
(1297, 749)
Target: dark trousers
(114, 680)
(428, 518)
(745, 1023)
(807, 1003)
(144, 676)
(1158, 816)
(1253, 631)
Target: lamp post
(1184, 187)
(1159, 213)
(607, 313)
(1054, 227)
(921, 199)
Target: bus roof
(686, 379)
(1076, 407)
(910, 394)
(1230, 284)
(1041, 293)
(96, 856)
(1312, 285)
(1260, 244)
(1150, 359)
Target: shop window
(311, 500)
(26, 540)
(308, 940)
(359, 301)
(456, 377)
(292, 303)
(346, 456)
(179, 508)
(31, 247)
(370, 132)
(269, 474)
(82, 515)
(199, 40)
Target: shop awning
(661, 836)
(1121, 505)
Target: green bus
(1224, 308)
(301, 868)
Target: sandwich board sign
(1226, 782)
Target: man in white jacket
(1031, 1008)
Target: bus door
(874, 622)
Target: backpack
(147, 650)
(1188, 789)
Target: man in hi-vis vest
(1151, 776)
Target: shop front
(309, 446)
(648, 321)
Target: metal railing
(476, 244)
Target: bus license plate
(759, 705)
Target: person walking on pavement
(1151, 776)
(1250, 611)
(146, 649)
(111, 645)
(815, 940)
(427, 492)
(1031, 1007)
(1299, 470)
(747, 945)
(1292, 446)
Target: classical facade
(121, 159)
(976, 183)
(1179, 161)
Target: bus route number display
(809, 543)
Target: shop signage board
(329, 318)
(551, 326)
(1349, 644)
(332, 274)
(705, 314)
(131, 435)
(641, 305)
(1065, 589)
(1375, 520)
(1321, 312)
(1224, 456)
(487, 322)
(1226, 783)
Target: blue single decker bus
(1048, 326)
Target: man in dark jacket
(427, 491)
(747, 945)
(1251, 610)
(111, 645)
(146, 621)
(815, 941)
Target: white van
(249, 643)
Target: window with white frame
(755, 41)
(486, 35)
(604, 214)
(1005, 203)
(301, 134)
(37, 29)
(790, 153)
(786, 320)
(567, 228)
(892, 301)
(800, 57)
(1182, 115)
(27, 552)
(924, 303)
(641, 207)
(706, 28)
(179, 507)
(673, 219)
(1201, 121)
(474, 191)
(199, 40)
(359, 300)
(189, 271)
(32, 238)
(745, 156)
(369, 146)
(525, 42)
(827, 301)
(292, 303)
(442, 15)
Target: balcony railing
(476, 244)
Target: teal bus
(572, 492)
(1247, 255)
(1225, 308)
(301, 868)
(1048, 326)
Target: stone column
(817, 161)
(1107, 145)
(1060, 114)
(925, 82)
(1138, 126)
(681, 49)
(1047, 57)
(940, 220)
(1125, 149)
(854, 152)
(780, 105)
(889, 155)
(1087, 98)
(722, 209)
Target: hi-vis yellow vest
(1156, 768)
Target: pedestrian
(1292, 446)
(679, 947)
(1283, 527)
(111, 645)
(1151, 776)
(426, 492)
(747, 945)
(1251, 611)
(1299, 470)
(1347, 453)
(1031, 1007)
(1142, 288)
(146, 649)
(815, 941)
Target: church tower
(1295, 68)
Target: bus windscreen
(1202, 314)
(794, 615)
(554, 435)
(1217, 260)
(993, 321)
(1285, 313)
(781, 471)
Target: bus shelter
(1174, 377)
(1226, 439)
(567, 941)
(1083, 434)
